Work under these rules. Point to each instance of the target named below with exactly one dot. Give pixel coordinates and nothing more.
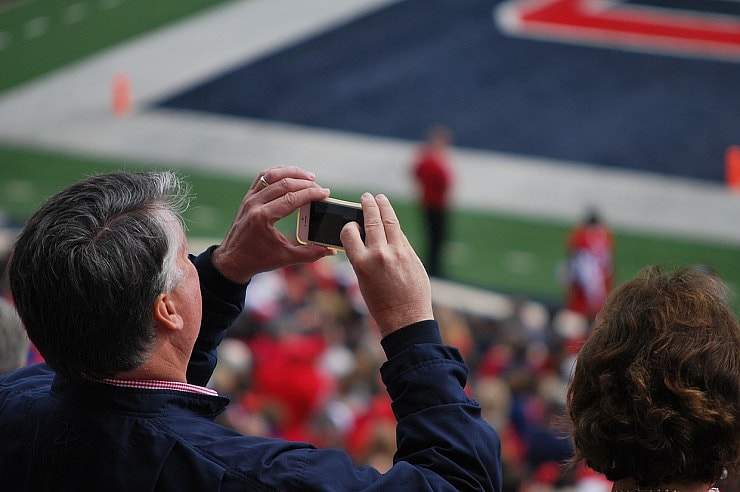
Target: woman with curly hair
(655, 396)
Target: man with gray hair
(129, 325)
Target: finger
(391, 225)
(276, 173)
(351, 240)
(284, 186)
(286, 196)
(261, 181)
(307, 253)
(374, 230)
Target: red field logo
(622, 25)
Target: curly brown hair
(655, 395)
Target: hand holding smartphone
(321, 222)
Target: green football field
(505, 253)
(520, 255)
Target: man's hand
(253, 244)
(391, 276)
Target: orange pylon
(121, 95)
(732, 168)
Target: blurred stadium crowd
(302, 363)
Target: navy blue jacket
(59, 434)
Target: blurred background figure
(434, 178)
(590, 270)
(13, 339)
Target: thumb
(351, 239)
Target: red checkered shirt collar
(160, 385)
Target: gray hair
(89, 264)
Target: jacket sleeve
(443, 441)
(223, 300)
(440, 430)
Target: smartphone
(320, 222)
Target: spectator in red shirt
(433, 175)
(590, 265)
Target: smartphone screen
(327, 218)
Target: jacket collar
(142, 401)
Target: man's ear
(165, 313)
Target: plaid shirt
(159, 385)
